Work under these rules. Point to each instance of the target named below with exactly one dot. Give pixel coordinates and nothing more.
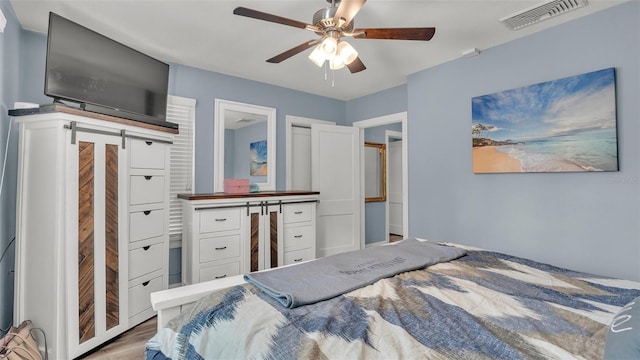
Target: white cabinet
(226, 235)
(92, 240)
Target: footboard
(169, 303)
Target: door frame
(290, 122)
(400, 117)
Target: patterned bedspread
(484, 305)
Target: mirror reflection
(245, 152)
(244, 144)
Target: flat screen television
(103, 75)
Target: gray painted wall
(9, 94)
(583, 221)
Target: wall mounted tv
(103, 75)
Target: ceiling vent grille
(541, 12)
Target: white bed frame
(169, 303)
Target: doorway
(396, 207)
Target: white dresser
(226, 234)
(92, 225)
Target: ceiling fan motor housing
(323, 19)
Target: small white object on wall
(471, 52)
(3, 21)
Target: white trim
(218, 141)
(385, 120)
(290, 122)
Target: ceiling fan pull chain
(325, 71)
(333, 78)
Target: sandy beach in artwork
(486, 159)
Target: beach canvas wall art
(565, 125)
(258, 158)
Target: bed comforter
(484, 305)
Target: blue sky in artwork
(561, 107)
(258, 151)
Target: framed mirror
(244, 144)
(375, 177)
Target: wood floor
(129, 345)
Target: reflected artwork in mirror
(244, 145)
(375, 179)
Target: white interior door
(394, 195)
(335, 173)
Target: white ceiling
(205, 34)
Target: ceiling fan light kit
(332, 23)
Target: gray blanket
(331, 276)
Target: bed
(480, 305)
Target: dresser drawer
(146, 189)
(146, 224)
(219, 220)
(218, 248)
(292, 257)
(139, 299)
(145, 260)
(298, 237)
(147, 154)
(293, 213)
(220, 271)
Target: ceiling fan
(332, 23)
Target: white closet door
(335, 173)
(301, 158)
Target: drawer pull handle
(298, 212)
(146, 283)
(147, 212)
(221, 276)
(145, 248)
(148, 142)
(221, 248)
(297, 236)
(220, 220)
(147, 177)
(297, 260)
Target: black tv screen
(103, 75)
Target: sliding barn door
(335, 173)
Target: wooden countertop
(213, 196)
(51, 108)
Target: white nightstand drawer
(147, 154)
(146, 224)
(298, 237)
(218, 248)
(146, 189)
(145, 260)
(220, 271)
(219, 220)
(297, 213)
(293, 257)
(139, 300)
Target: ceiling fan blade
(293, 51)
(242, 11)
(347, 11)
(423, 34)
(356, 66)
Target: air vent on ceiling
(541, 12)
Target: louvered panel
(86, 225)
(182, 112)
(541, 12)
